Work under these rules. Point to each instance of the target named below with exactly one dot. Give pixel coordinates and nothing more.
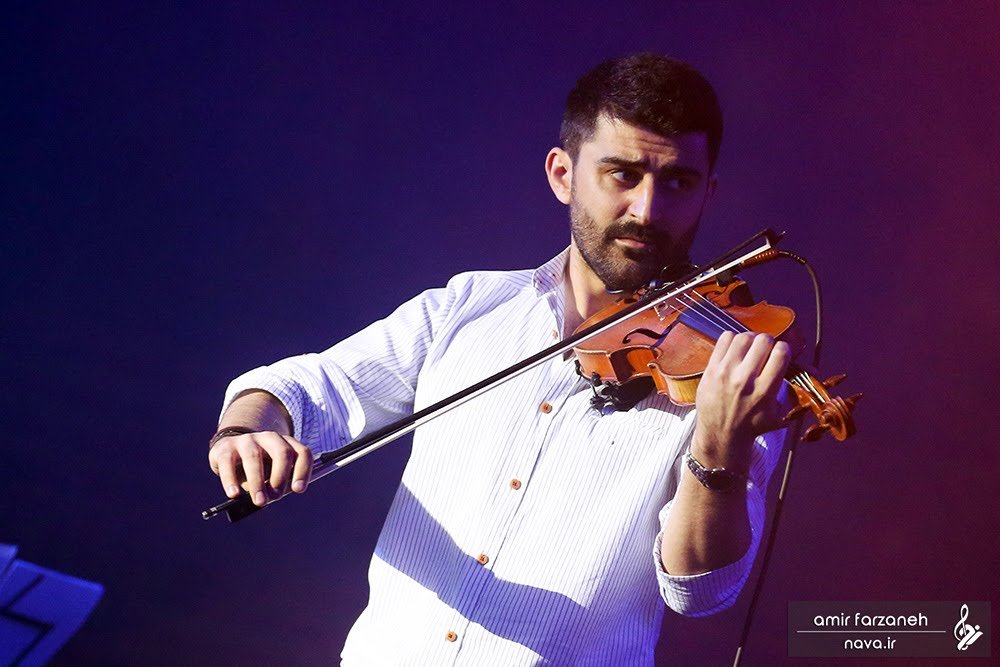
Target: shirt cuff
(290, 394)
(706, 593)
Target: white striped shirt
(527, 526)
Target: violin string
(711, 313)
(706, 314)
(719, 312)
(802, 379)
(811, 386)
(693, 311)
(704, 308)
(807, 383)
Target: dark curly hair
(658, 93)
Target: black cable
(817, 290)
(793, 442)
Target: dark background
(191, 191)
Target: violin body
(672, 342)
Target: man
(530, 526)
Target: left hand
(737, 397)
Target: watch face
(719, 481)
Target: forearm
(705, 529)
(737, 399)
(257, 410)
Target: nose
(643, 201)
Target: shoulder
(474, 294)
(490, 283)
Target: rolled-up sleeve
(711, 592)
(360, 384)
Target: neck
(584, 292)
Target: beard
(621, 268)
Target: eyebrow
(675, 169)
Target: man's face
(636, 200)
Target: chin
(628, 281)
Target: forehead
(615, 138)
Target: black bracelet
(228, 431)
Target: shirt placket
(559, 383)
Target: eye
(627, 177)
(679, 184)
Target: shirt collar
(549, 275)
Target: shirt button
(483, 559)
(546, 407)
(451, 636)
(515, 484)
(555, 334)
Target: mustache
(640, 232)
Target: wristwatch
(716, 479)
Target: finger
(757, 355)
(224, 460)
(303, 465)
(282, 459)
(773, 372)
(721, 347)
(251, 456)
(738, 349)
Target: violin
(662, 334)
(670, 344)
(661, 338)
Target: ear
(559, 169)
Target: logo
(966, 634)
(889, 629)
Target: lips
(632, 242)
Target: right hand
(266, 464)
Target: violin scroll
(833, 413)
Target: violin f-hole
(645, 332)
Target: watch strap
(720, 480)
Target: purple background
(193, 191)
